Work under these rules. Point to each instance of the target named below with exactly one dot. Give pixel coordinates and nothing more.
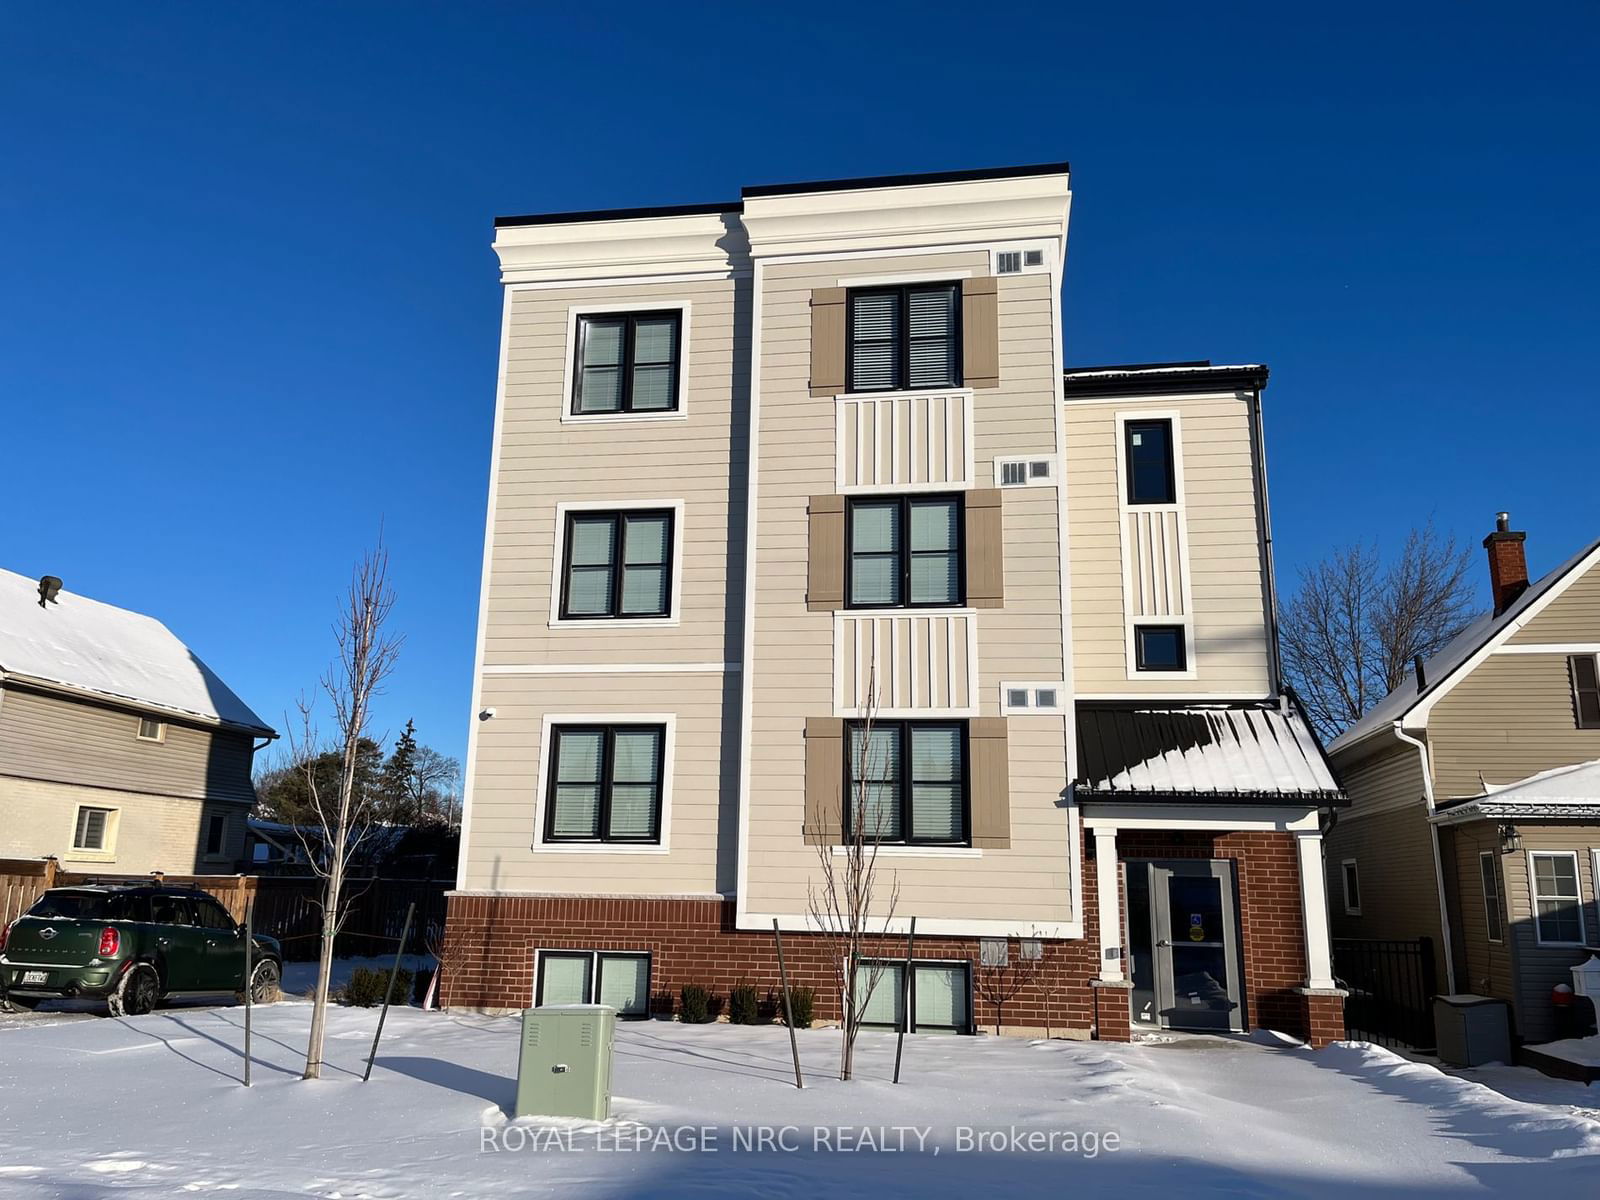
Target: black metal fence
(1391, 985)
(290, 910)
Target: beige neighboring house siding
(1485, 966)
(793, 651)
(149, 832)
(48, 737)
(546, 461)
(1573, 616)
(1386, 831)
(1540, 968)
(510, 774)
(1220, 531)
(1512, 717)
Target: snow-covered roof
(84, 645)
(1173, 369)
(1440, 670)
(1258, 752)
(1570, 791)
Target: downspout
(1449, 980)
(1269, 571)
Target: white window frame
(594, 973)
(617, 624)
(1033, 688)
(1348, 868)
(1534, 897)
(668, 760)
(161, 730)
(108, 847)
(1499, 911)
(1027, 460)
(569, 379)
(1179, 506)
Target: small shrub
(744, 1005)
(696, 1004)
(366, 985)
(802, 1006)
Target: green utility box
(565, 1069)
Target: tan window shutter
(824, 820)
(980, 333)
(986, 559)
(825, 577)
(990, 773)
(827, 341)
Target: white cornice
(918, 215)
(590, 250)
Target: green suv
(131, 945)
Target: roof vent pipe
(1422, 678)
(49, 589)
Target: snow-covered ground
(154, 1105)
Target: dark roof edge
(1084, 793)
(618, 214)
(1160, 381)
(883, 181)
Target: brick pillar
(1324, 1015)
(1112, 1020)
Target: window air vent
(1009, 262)
(1013, 474)
(1017, 697)
(1039, 470)
(1033, 258)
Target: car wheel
(17, 1004)
(265, 984)
(138, 992)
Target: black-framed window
(907, 782)
(627, 363)
(565, 977)
(1151, 476)
(1585, 670)
(1160, 648)
(940, 995)
(216, 833)
(606, 783)
(1352, 887)
(618, 565)
(904, 337)
(905, 552)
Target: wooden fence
(287, 908)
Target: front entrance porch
(1183, 945)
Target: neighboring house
(1475, 790)
(766, 470)
(120, 751)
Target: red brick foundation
(492, 940)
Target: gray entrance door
(1196, 955)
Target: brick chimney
(1508, 563)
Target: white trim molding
(1534, 897)
(681, 413)
(542, 787)
(661, 668)
(617, 624)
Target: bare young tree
(843, 905)
(366, 658)
(1001, 975)
(1353, 625)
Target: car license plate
(34, 977)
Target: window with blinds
(563, 978)
(940, 995)
(902, 338)
(627, 363)
(605, 784)
(906, 782)
(89, 832)
(617, 565)
(905, 552)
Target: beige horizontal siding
(1220, 530)
(1510, 718)
(793, 649)
(75, 741)
(704, 784)
(1485, 966)
(1573, 616)
(545, 461)
(1540, 968)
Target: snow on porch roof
(1252, 753)
(1571, 791)
(87, 646)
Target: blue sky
(248, 308)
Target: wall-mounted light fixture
(1510, 839)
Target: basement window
(621, 980)
(941, 995)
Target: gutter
(1438, 863)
